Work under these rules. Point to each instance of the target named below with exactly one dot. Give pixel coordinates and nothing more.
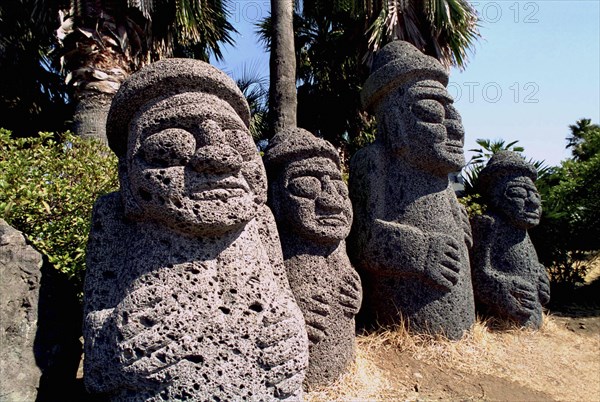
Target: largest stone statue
(410, 236)
(185, 293)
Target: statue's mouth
(224, 189)
(454, 146)
(532, 215)
(333, 220)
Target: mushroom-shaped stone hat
(502, 164)
(296, 143)
(396, 63)
(163, 79)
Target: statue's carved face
(314, 200)
(519, 200)
(192, 165)
(423, 127)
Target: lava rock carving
(410, 236)
(313, 212)
(508, 279)
(186, 295)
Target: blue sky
(535, 70)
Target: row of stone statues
(196, 289)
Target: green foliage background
(568, 237)
(48, 185)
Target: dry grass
(552, 361)
(594, 270)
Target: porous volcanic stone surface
(186, 295)
(21, 276)
(314, 214)
(40, 325)
(410, 236)
(508, 279)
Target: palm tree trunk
(94, 84)
(89, 119)
(282, 90)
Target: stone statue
(185, 293)
(313, 213)
(508, 280)
(410, 236)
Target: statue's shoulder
(483, 225)
(109, 230)
(108, 205)
(368, 160)
(372, 151)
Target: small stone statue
(410, 236)
(185, 293)
(508, 280)
(313, 213)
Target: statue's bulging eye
(341, 188)
(429, 111)
(305, 186)
(516, 192)
(452, 113)
(170, 147)
(242, 142)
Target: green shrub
(48, 186)
(473, 204)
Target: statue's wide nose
(216, 159)
(329, 198)
(216, 156)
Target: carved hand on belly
(544, 287)
(350, 293)
(281, 341)
(522, 297)
(316, 308)
(148, 341)
(443, 263)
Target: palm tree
(32, 93)
(101, 42)
(491, 147)
(444, 29)
(583, 140)
(331, 48)
(282, 67)
(255, 89)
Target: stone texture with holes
(508, 279)
(410, 235)
(186, 295)
(313, 213)
(21, 276)
(40, 324)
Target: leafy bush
(568, 237)
(48, 185)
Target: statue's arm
(486, 280)
(99, 293)
(267, 229)
(394, 248)
(350, 290)
(284, 342)
(461, 216)
(543, 285)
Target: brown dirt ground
(560, 362)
